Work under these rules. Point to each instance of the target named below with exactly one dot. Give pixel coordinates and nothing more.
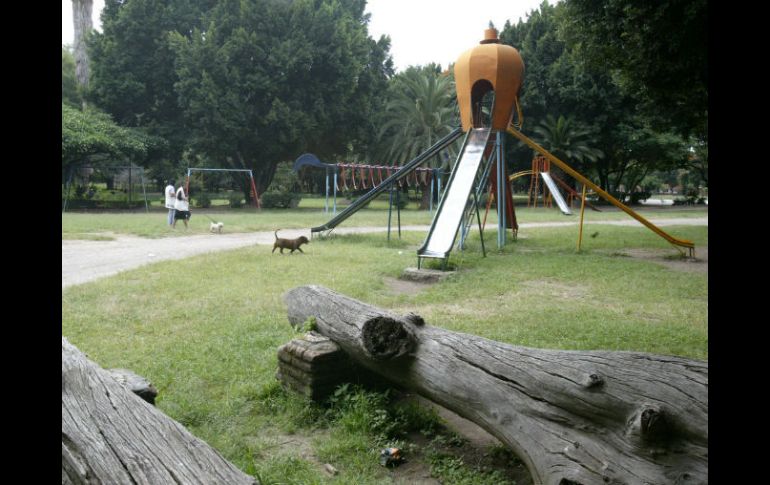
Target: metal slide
(446, 223)
(405, 170)
(577, 176)
(556, 194)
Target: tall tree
(81, 17)
(91, 136)
(265, 80)
(566, 140)
(658, 50)
(133, 72)
(558, 80)
(421, 109)
(69, 85)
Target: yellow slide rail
(675, 241)
(516, 175)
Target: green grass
(310, 214)
(206, 330)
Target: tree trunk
(110, 435)
(81, 16)
(574, 417)
(425, 198)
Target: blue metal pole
(432, 183)
(326, 200)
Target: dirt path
(84, 261)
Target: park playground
(209, 338)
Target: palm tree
(567, 141)
(421, 110)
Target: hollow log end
(385, 338)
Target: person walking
(182, 207)
(170, 201)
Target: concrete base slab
(423, 275)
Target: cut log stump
(574, 417)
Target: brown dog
(293, 244)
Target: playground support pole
(478, 219)
(398, 211)
(501, 187)
(130, 186)
(334, 209)
(432, 183)
(326, 199)
(254, 190)
(582, 211)
(390, 210)
(144, 192)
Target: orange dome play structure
(490, 66)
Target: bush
(202, 201)
(280, 200)
(236, 200)
(635, 197)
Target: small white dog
(216, 227)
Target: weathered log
(135, 383)
(574, 417)
(110, 435)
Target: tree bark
(110, 435)
(83, 24)
(574, 417)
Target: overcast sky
(421, 31)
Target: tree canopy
(562, 81)
(421, 109)
(658, 50)
(266, 80)
(69, 85)
(92, 136)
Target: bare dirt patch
(698, 264)
(477, 449)
(404, 287)
(296, 445)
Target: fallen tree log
(110, 435)
(574, 417)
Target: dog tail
(276, 233)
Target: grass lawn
(100, 225)
(205, 330)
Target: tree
(573, 417)
(92, 136)
(265, 80)
(559, 80)
(81, 17)
(658, 50)
(421, 109)
(566, 140)
(133, 72)
(69, 85)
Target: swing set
(254, 194)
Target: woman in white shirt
(170, 196)
(182, 206)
